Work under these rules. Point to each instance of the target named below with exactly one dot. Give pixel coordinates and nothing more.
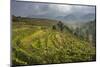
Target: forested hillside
(87, 31)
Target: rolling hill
(38, 43)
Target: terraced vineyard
(38, 44)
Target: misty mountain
(88, 17)
(77, 17)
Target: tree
(60, 25)
(77, 32)
(14, 18)
(54, 27)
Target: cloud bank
(44, 10)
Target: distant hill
(35, 21)
(73, 18)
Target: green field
(35, 42)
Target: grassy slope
(37, 45)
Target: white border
(4, 33)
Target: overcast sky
(28, 9)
